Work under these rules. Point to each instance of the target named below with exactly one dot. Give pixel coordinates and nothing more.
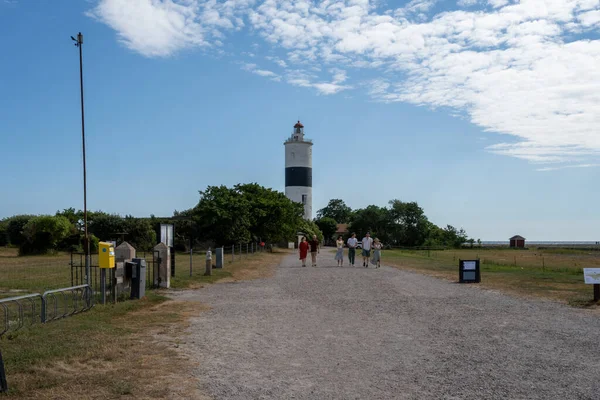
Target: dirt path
(356, 333)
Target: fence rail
(61, 303)
(37, 308)
(47, 288)
(16, 314)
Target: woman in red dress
(303, 250)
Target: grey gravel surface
(357, 333)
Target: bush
(44, 233)
(3, 233)
(141, 234)
(14, 228)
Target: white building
(298, 169)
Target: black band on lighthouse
(298, 176)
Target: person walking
(366, 249)
(314, 250)
(339, 255)
(376, 260)
(352, 243)
(303, 250)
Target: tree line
(64, 231)
(401, 224)
(224, 216)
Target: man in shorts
(366, 249)
(352, 243)
(314, 250)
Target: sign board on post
(591, 276)
(166, 234)
(468, 271)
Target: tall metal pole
(86, 237)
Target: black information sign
(468, 271)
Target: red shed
(517, 241)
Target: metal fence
(40, 289)
(232, 253)
(28, 310)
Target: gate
(78, 275)
(77, 264)
(152, 275)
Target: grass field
(123, 350)
(31, 274)
(549, 273)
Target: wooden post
(596, 292)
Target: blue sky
(484, 112)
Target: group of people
(368, 245)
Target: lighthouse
(298, 169)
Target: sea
(543, 243)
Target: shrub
(44, 233)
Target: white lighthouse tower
(298, 169)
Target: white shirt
(366, 243)
(352, 242)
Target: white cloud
(261, 72)
(277, 61)
(568, 166)
(303, 79)
(511, 67)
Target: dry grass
(552, 274)
(262, 265)
(124, 351)
(108, 353)
(251, 266)
(32, 273)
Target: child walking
(376, 260)
(339, 255)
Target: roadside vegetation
(122, 350)
(548, 273)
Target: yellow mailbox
(106, 255)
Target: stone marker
(123, 252)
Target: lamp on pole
(86, 241)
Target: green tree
(310, 228)
(245, 212)
(74, 217)
(273, 217)
(105, 226)
(327, 226)
(44, 233)
(223, 216)
(337, 210)
(140, 233)
(14, 228)
(454, 237)
(185, 229)
(3, 233)
(372, 219)
(409, 225)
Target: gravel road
(357, 333)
